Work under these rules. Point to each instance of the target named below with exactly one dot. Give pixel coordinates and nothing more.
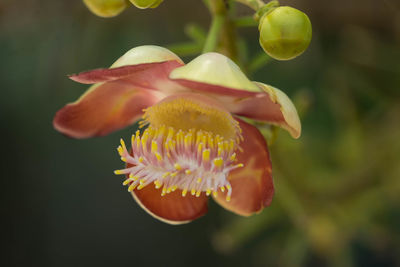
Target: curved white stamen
(193, 161)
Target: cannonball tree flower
(195, 144)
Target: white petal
(145, 54)
(216, 69)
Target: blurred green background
(337, 197)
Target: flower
(194, 145)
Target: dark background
(337, 188)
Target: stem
(253, 4)
(222, 34)
(213, 34)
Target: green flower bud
(142, 4)
(106, 8)
(285, 32)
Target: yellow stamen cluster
(192, 161)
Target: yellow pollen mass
(177, 166)
(191, 111)
(218, 162)
(206, 154)
(184, 192)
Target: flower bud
(106, 8)
(285, 32)
(142, 4)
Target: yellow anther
(188, 140)
(165, 174)
(198, 193)
(169, 189)
(122, 143)
(198, 180)
(228, 198)
(210, 141)
(173, 188)
(206, 154)
(177, 166)
(228, 187)
(118, 172)
(204, 139)
(132, 187)
(184, 192)
(132, 139)
(208, 192)
(222, 188)
(226, 146)
(142, 181)
(193, 192)
(164, 191)
(120, 150)
(145, 136)
(198, 135)
(179, 137)
(154, 146)
(135, 178)
(199, 148)
(240, 165)
(174, 174)
(233, 157)
(157, 184)
(188, 171)
(141, 159)
(215, 193)
(170, 133)
(127, 181)
(218, 162)
(123, 159)
(158, 156)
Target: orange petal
(252, 185)
(171, 208)
(104, 108)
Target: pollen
(193, 111)
(192, 161)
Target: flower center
(189, 145)
(192, 111)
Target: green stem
(213, 34)
(222, 34)
(253, 4)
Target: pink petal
(252, 185)
(102, 109)
(140, 74)
(263, 105)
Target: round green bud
(285, 32)
(106, 8)
(142, 4)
